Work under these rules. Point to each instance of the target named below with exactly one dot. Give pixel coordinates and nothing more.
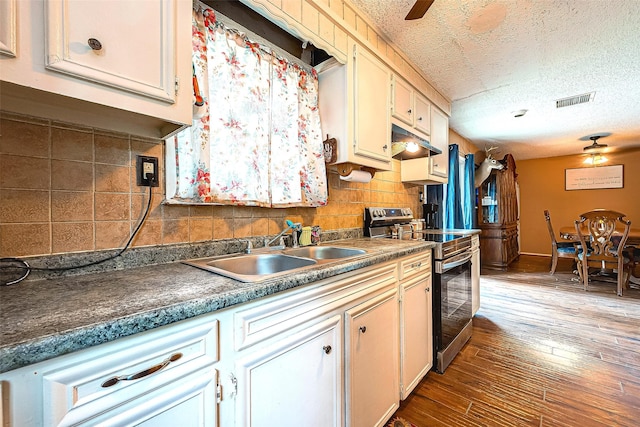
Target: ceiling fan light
(595, 159)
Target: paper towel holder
(345, 169)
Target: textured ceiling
(492, 58)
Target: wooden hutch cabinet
(498, 217)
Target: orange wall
(541, 184)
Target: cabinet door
(122, 44)
(423, 114)
(475, 279)
(372, 128)
(416, 332)
(402, 100)
(372, 360)
(439, 164)
(297, 382)
(8, 28)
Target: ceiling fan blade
(418, 10)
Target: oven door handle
(457, 261)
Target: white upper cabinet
(82, 43)
(409, 107)
(433, 169)
(402, 100)
(439, 165)
(354, 108)
(423, 114)
(8, 27)
(121, 65)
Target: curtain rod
(265, 45)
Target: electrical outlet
(147, 165)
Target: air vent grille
(575, 100)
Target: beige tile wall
(65, 188)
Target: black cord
(22, 264)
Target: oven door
(452, 309)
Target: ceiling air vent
(575, 100)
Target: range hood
(407, 145)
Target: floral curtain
(256, 139)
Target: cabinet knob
(363, 329)
(94, 44)
(327, 349)
(409, 111)
(419, 119)
(427, 289)
(384, 147)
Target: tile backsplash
(66, 188)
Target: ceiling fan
(418, 10)
(595, 147)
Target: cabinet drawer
(414, 265)
(278, 314)
(84, 385)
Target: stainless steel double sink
(265, 265)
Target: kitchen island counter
(44, 319)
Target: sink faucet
(294, 235)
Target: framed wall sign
(594, 178)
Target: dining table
(570, 233)
(633, 241)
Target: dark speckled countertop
(47, 318)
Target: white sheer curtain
(256, 140)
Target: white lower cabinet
(372, 360)
(162, 377)
(475, 274)
(416, 328)
(295, 382)
(325, 354)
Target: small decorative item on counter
(305, 236)
(315, 234)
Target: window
(256, 138)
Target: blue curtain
(453, 217)
(460, 192)
(468, 192)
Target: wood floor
(543, 353)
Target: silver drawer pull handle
(327, 349)
(363, 329)
(115, 380)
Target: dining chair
(560, 248)
(601, 230)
